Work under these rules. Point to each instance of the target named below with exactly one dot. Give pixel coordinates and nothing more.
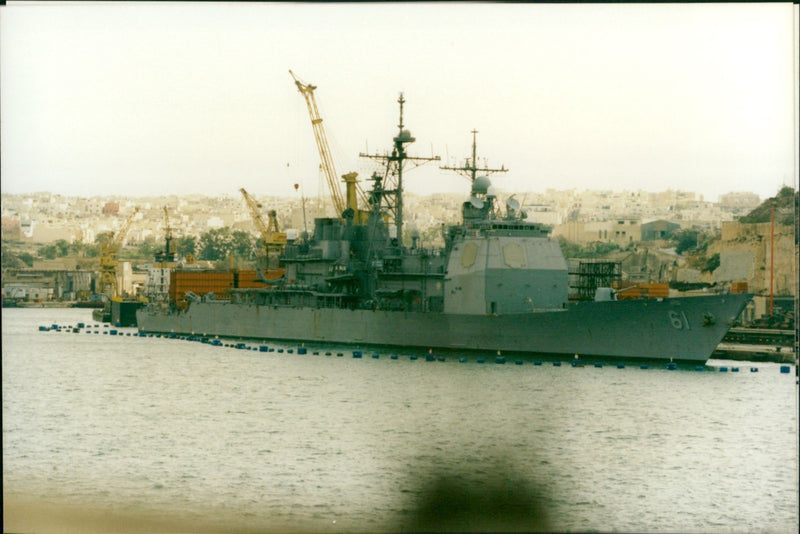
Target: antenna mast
(391, 191)
(470, 168)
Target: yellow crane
(109, 246)
(340, 204)
(274, 239)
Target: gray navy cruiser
(499, 284)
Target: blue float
(481, 360)
(44, 328)
(643, 366)
(734, 369)
(518, 362)
(537, 362)
(672, 366)
(556, 364)
(393, 356)
(462, 360)
(376, 356)
(500, 359)
(598, 364)
(413, 357)
(723, 369)
(429, 358)
(785, 369)
(754, 369)
(356, 354)
(699, 368)
(264, 348)
(280, 350)
(301, 350)
(620, 366)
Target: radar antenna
(470, 168)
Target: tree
(91, 251)
(148, 249)
(216, 244)
(242, 244)
(597, 249)
(62, 248)
(685, 239)
(26, 257)
(47, 252)
(83, 250)
(17, 260)
(185, 245)
(711, 264)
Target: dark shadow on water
(478, 498)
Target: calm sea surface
(123, 434)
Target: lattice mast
(470, 168)
(392, 181)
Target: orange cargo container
(249, 279)
(626, 291)
(199, 282)
(738, 287)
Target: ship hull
(679, 329)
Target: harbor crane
(109, 247)
(340, 203)
(168, 254)
(274, 239)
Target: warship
(498, 286)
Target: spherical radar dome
(481, 185)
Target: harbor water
(120, 433)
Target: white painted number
(678, 320)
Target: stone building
(745, 256)
(660, 229)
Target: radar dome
(481, 185)
(405, 137)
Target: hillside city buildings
(581, 216)
(633, 220)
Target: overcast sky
(142, 99)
